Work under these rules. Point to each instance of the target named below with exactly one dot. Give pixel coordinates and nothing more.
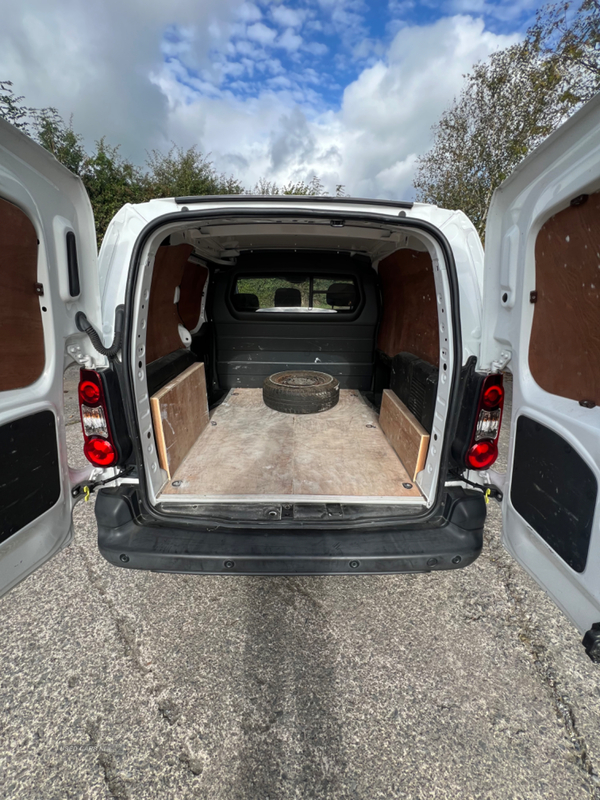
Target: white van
(196, 306)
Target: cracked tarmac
(124, 684)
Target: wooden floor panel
(249, 449)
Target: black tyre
(301, 392)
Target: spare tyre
(301, 392)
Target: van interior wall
(162, 335)
(192, 286)
(410, 318)
(20, 314)
(251, 345)
(408, 342)
(166, 355)
(564, 349)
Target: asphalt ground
(124, 684)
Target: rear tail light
(482, 454)
(94, 421)
(488, 424)
(99, 447)
(100, 452)
(89, 392)
(483, 450)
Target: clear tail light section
(483, 449)
(94, 421)
(99, 447)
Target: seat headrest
(287, 298)
(245, 302)
(341, 294)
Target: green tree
(12, 108)
(313, 188)
(509, 104)
(266, 187)
(572, 39)
(60, 139)
(181, 173)
(111, 181)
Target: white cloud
(259, 32)
(372, 142)
(289, 40)
(316, 48)
(116, 82)
(94, 60)
(288, 17)
(248, 12)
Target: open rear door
(48, 272)
(542, 318)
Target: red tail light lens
(100, 452)
(493, 397)
(483, 454)
(89, 393)
(99, 447)
(483, 450)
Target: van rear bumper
(125, 540)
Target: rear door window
(296, 293)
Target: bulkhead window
(332, 294)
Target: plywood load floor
(249, 449)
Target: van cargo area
(223, 306)
(249, 449)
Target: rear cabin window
(301, 293)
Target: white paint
(566, 165)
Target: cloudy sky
(345, 89)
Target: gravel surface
(123, 684)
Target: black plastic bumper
(125, 541)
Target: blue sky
(344, 89)
(315, 48)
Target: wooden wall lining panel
(192, 287)
(564, 349)
(21, 325)
(410, 318)
(162, 335)
(404, 432)
(179, 414)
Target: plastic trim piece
(126, 539)
(73, 265)
(292, 198)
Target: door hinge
(86, 489)
(39, 289)
(533, 297)
(502, 360)
(489, 490)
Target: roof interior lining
(212, 241)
